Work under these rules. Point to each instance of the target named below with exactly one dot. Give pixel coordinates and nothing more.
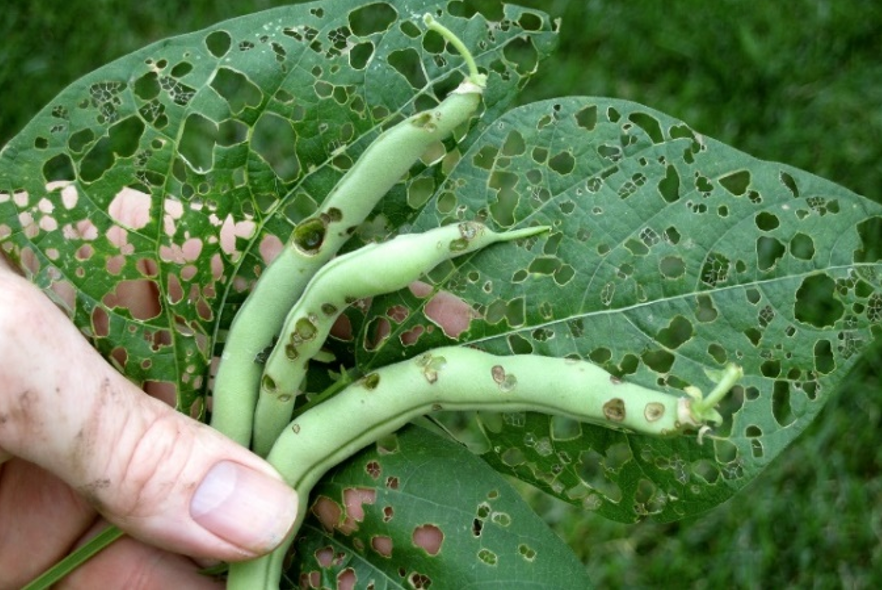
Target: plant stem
(76, 558)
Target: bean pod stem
(457, 378)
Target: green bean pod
(369, 271)
(316, 240)
(457, 378)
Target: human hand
(85, 443)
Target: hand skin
(88, 446)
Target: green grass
(798, 82)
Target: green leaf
(215, 144)
(671, 254)
(422, 523)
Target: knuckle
(155, 466)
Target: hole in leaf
(869, 232)
(781, 409)
(824, 360)
(147, 86)
(678, 332)
(592, 471)
(737, 182)
(669, 186)
(802, 246)
(237, 89)
(649, 124)
(275, 140)
(407, 62)
(767, 221)
(659, 361)
(197, 142)
(522, 53)
(718, 353)
(218, 43)
(587, 118)
(672, 267)
(429, 538)
(59, 168)
(372, 18)
(360, 55)
(530, 21)
(181, 69)
(768, 252)
(815, 302)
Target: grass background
(798, 82)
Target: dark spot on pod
(309, 235)
(305, 329)
(295, 428)
(614, 410)
(261, 357)
(468, 230)
(328, 309)
(269, 383)
(498, 373)
(371, 381)
(437, 407)
(334, 214)
(291, 352)
(423, 120)
(614, 380)
(458, 245)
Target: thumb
(162, 477)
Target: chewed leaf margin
(671, 255)
(176, 172)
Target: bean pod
(366, 272)
(456, 378)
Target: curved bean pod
(456, 378)
(366, 272)
(317, 239)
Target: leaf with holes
(177, 171)
(394, 517)
(671, 254)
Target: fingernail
(245, 507)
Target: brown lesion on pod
(269, 383)
(261, 357)
(305, 329)
(430, 365)
(329, 309)
(468, 231)
(614, 410)
(653, 411)
(506, 382)
(425, 121)
(309, 235)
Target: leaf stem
(77, 558)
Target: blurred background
(798, 82)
